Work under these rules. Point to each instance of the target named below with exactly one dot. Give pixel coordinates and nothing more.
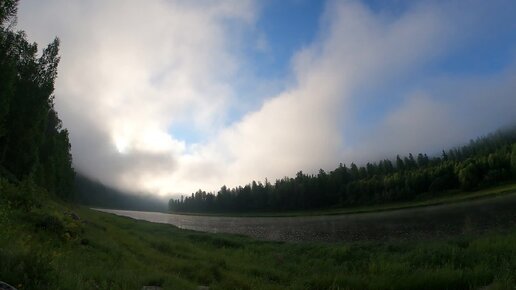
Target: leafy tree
(33, 144)
(400, 165)
(8, 9)
(444, 156)
(469, 175)
(354, 171)
(513, 160)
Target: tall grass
(47, 249)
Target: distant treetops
(485, 162)
(33, 144)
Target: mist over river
(424, 222)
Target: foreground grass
(444, 198)
(48, 249)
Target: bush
(469, 175)
(51, 224)
(22, 196)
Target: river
(425, 222)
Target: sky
(171, 96)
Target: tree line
(484, 162)
(33, 144)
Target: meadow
(49, 248)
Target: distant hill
(95, 194)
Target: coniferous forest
(484, 162)
(34, 147)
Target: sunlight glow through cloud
(121, 145)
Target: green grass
(47, 249)
(444, 198)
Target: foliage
(488, 161)
(23, 196)
(8, 10)
(33, 144)
(513, 160)
(51, 224)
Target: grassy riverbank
(48, 249)
(444, 198)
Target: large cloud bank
(132, 71)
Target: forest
(487, 161)
(34, 147)
(93, 193)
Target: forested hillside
(484, 162)
(95, 194)
(34, 148)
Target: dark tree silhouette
(33, 144)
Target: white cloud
(300, 128)
(130, 70)
(459, 110)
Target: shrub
(51, 224)
(22, 196)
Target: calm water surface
(426, 222)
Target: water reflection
(460, 218)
